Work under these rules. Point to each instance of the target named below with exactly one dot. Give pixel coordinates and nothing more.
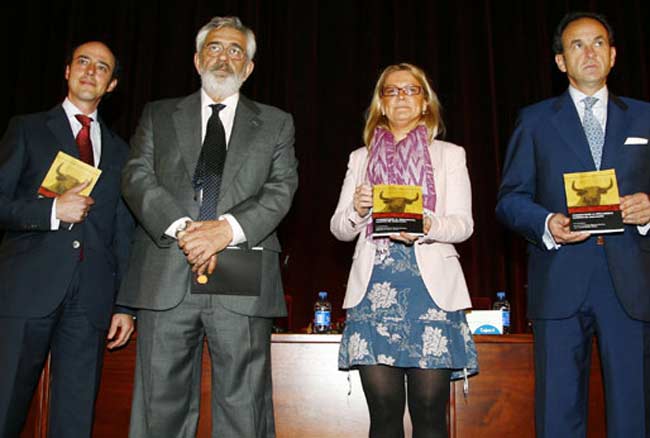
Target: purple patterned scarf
(406, 162)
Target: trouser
(76, 347)
(168, 372)
(562, 365)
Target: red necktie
(83, 140)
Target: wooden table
(312, 401)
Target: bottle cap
(322, 295)
(501, 295)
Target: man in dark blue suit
(61, 259)
(581, 285)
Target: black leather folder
(238, 272)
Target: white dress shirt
(95, 138)
(227, 117)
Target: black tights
(428, 394)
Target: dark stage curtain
(319, 60)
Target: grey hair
(232, 22)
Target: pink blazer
(435, 253)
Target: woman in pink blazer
(406, 294)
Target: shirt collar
(230, 102)
(577, 96)
(71, 110)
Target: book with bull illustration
(396, 208)
(66, 172)
(593, 201)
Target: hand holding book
(362, 200)
(635, 209)
(71, 206)
(409, 238)
(70, 181)
(560, 227)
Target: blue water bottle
(322, 314)
(503, 305)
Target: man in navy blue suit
(61, 259)
(582, 285)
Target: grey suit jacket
(258, 183)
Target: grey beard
(220, 87)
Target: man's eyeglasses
(409, 90)
(233, 52)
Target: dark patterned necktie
(207, 177)
(83, 140)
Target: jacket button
(76, 244)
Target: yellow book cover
(593, 201)
(396, 208)
(66, 172)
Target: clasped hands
(202, 241)
(362, 203)
(635, 210)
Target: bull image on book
(64, 181)
(590, 196)
(396, 204)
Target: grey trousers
(168, 372)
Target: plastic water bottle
(322, 314)
(504, 306)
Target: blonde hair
(432, 118)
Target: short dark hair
(117, 69)
(573, 16)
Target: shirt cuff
(643, 229)
(175, 226)
(547, 238)
(238, 235)
(54, 221)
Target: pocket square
(636, 140)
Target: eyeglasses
(409, 90)
(233, 52)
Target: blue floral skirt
(398, 324)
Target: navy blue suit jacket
(37, 264)
(549, 141)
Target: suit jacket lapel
(617, 123)
(187, 124)
(568, 126)
(435, 152)
(60, 126)
(105, 156)
(244, 129)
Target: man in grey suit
(207, 171)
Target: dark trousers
(562, 365)
(168, 372)
(76, 348)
